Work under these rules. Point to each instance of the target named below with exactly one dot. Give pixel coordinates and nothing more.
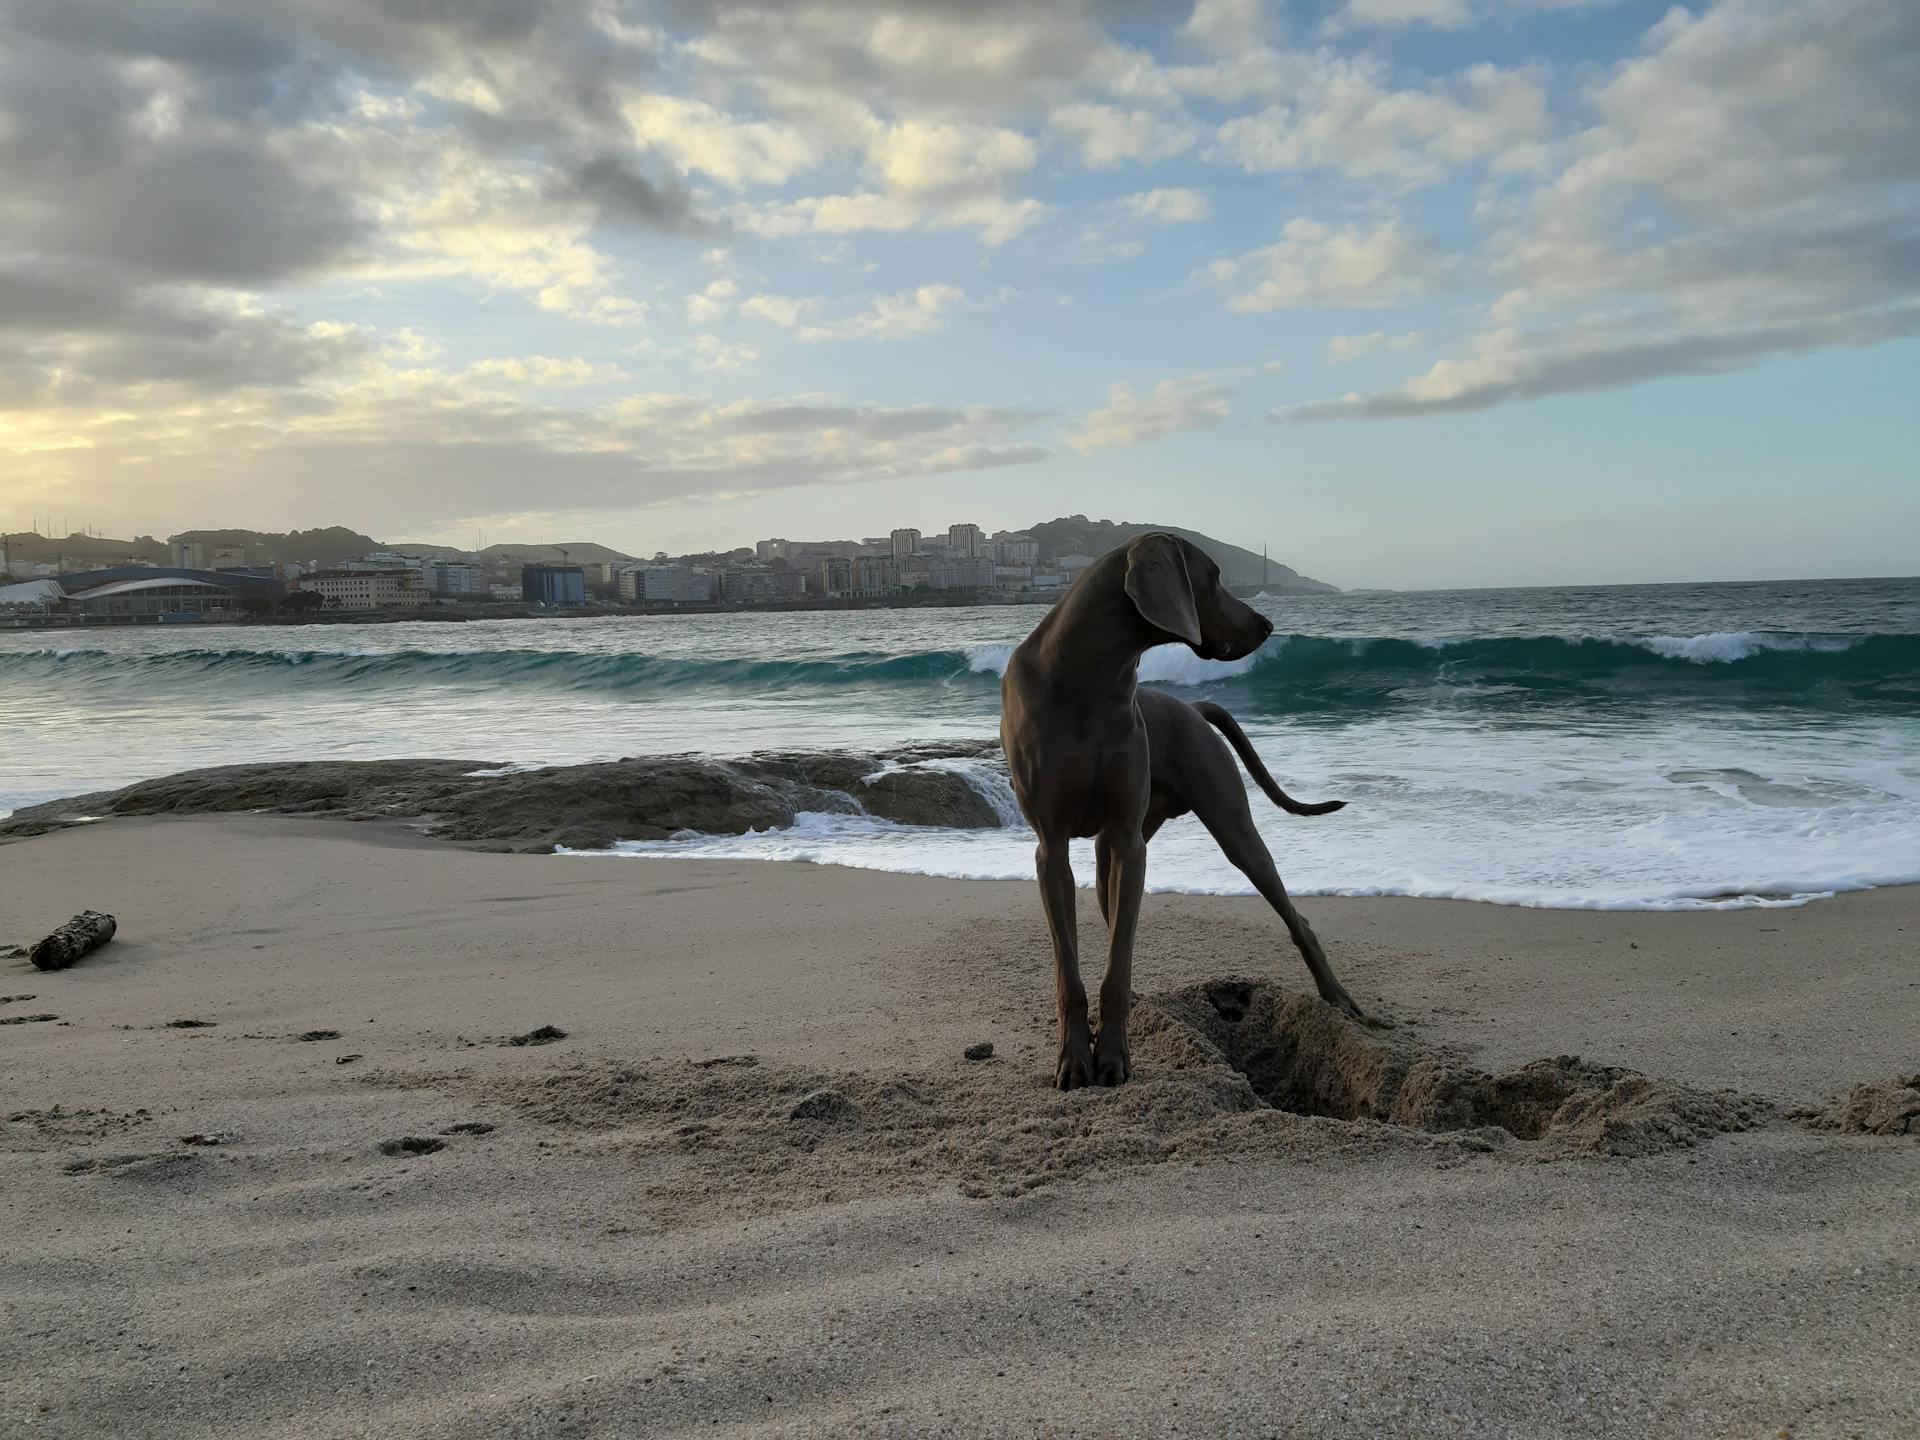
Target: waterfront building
(965, 540)
(669, 584)
(187, 554)
(906, 543)
(756, 585)
(459, 578)
(872, 575)
(553, 585)
(766, 550)
(836, 575)
(960, 572)
(366, 589)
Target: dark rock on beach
(575, 806)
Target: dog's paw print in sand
(57, 1125)
(1228, 1068)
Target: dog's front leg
(1075, 1065)
(1124, 879)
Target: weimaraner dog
(1090, 754)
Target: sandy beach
(757, 1189)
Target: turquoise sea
(1643, 746)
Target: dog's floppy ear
(1158, 585)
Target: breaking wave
(1291, 673)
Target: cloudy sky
(1422, 292)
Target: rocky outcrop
(577, 806)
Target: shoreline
(757, 1168)
(696, 806)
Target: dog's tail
(1236, 737)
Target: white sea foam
(1725, 647)
(1563, 819)
(1162, 665)
(985, 776)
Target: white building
(765, 550)
(461, 578)
(905, 543)
(960, 572)
(367, 589)
(187, 555)
(966, 540)
(1015, 549)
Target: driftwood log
(79, 937)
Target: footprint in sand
(412, 1145)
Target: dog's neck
(1094, 634)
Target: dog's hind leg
(1158, 813)
(1229, 819)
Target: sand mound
(1300, 1055)
(1227, 1068)
(1887, 1107)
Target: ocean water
(1674, 746)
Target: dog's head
(1176, 588)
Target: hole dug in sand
(1300, 1055)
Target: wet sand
(757, 1189)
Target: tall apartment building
(966, 540)
(779, 549)
(905, 543)
(187, 555)
(1015, 549)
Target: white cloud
(1196, 403)
(1227, 27)
(1343, 348)
(1173, 206)
(733, 151)
(919, 158)
(1109, 136)
(1748, 190)
(885, 317)
(1343, 116)
(1315, 264)
(713, 302)
(997, 220)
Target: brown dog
(1080, 757)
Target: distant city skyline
(1420, 293)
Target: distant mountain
(1077, 535)
(26, 547)
(328, 545)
